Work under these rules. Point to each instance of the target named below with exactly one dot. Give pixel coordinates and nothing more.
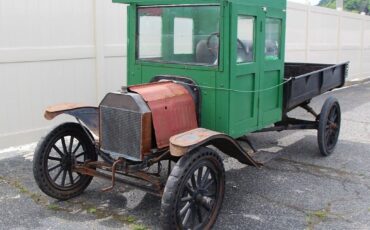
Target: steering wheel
(213, 50)
(242, 47)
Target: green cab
(234, 51)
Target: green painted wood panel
(244, 76)
(272, 71)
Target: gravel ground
(298, 190)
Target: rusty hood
(172, 107)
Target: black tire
(329, 126)
(54, 159)
(194, 193)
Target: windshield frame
(179, 64)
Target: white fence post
(99, 10)
(308, 13)
(339, 47)
(362, 69)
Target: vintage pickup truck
(202, 74)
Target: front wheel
(55, 157)
(194, 191)
(329, 126)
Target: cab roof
(270, 3)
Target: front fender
(186, 142)
(89, 115)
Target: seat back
(203, 54)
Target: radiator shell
(125, 126)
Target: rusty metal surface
(185, 142)
(181, 143)
(113, 170)
(52, 111)
(125, 126)
(87, 114)
(97, 169)
(189, 84)
(192, 137)
(146, 134)
(173, 109)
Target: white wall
(54, 51)
(316, 34)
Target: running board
(263, 157)
(260, 156)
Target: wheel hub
(332, 125)
(198, 198)
(67, 161)
(203, 200)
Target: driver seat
(203, 54)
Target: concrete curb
(357, 82)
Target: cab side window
(183, 35)
(150, 37)
(245, 39)
(273, 39)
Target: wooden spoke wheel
(329, 126)
(194, 192)
(55, 157)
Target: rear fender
(89, 115)
(186, 142)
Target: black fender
(88, 115)
(186, 142)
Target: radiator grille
(121, 132)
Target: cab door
(244, 68)
(272, 66)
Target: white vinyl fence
(321, 35)
(54, 51)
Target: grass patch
(53, 207)
(91, 210)
(138, 227)
(316, 217)
(130, 219)
(20, 187)
(37, 198)
(42, 200)
(321, 214)
(124, 219)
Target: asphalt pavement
(298, 190)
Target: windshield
(179, 34)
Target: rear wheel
(55, 157)
(329, 126)
(194, 191)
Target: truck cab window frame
(202, 48)
(246, 35)
(273, 34)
